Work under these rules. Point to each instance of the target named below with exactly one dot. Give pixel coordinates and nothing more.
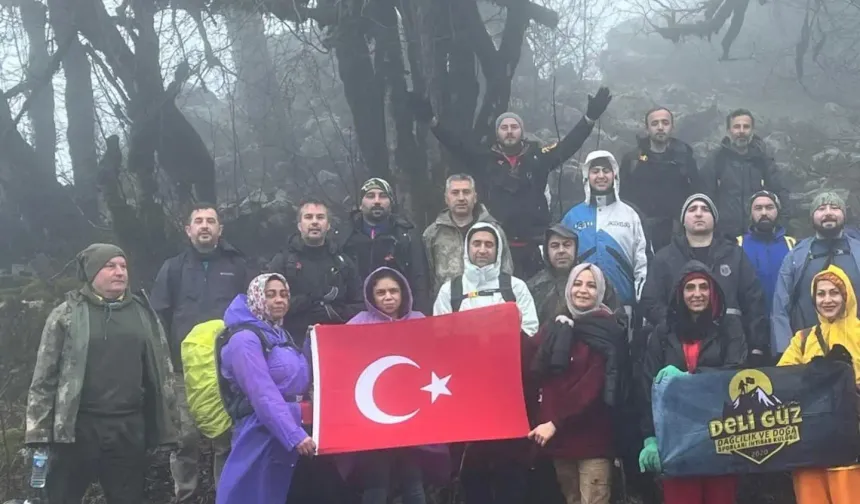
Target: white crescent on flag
(364, 390)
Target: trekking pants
(184, 461)
(585, 481)
(107, 449)
(839, 485)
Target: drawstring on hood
(601, 199)
(599, 279)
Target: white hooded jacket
(484, 278)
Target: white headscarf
(599, 279)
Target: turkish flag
(444, 379)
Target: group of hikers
(681, 269)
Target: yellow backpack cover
(202, 384)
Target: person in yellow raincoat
(838, 324)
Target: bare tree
(445, 42)
(41, 98)
(80, 108)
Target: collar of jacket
(223, 247)
(673, 146)
(777, 233)
(603, 200)
(526, 147)
(297, 245)
(393, 222)
(755, 151)
(720, 246)
(479, 214)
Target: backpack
(504, 288)
(211, 402)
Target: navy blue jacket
(191, 288)
(766, 253)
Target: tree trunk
(364, 89)
(34, 19)
(80, 112)
(80, 109)
(258, 89)
(33, 190)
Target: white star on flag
(438, 386)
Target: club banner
(443, 379)
(757, 420)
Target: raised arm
(573, 141)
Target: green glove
(649, 457)
(668, 372)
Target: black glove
(839, 354)
(597, 104)
(421, 107)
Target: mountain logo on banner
(755, 423)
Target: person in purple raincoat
(268, 442)
(388, 298)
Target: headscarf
(257, 296)
(599, 279)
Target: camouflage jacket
(444, 244)
(55, 392)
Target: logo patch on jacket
(725, 270)
(549, 147)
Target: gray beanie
(93, 258)
(700, 197)
(509, 115)
(827, 198)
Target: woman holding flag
(837, 336)
(267, 441)
(695, 336)
(575, 425)
(388, 298)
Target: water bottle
(40, 468)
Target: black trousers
(503, 484)
(107, 450)
(317, 481)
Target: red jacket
(573, 401)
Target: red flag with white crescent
(451, 378)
